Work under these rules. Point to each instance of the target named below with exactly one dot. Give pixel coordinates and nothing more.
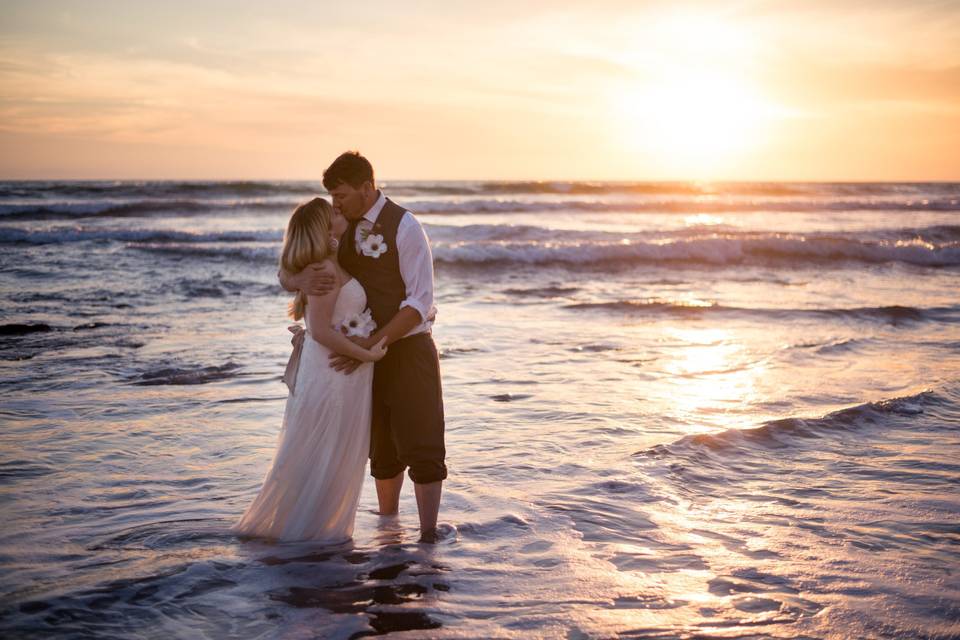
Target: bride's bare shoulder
(330, 265)
(342, 277)
(332, 289)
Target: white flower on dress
(359, 324)
(373, 245)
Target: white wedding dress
(313, 486)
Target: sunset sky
(805, 90)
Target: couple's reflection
(394, 570)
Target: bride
(313, 487)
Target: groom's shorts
(407, 423)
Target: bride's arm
(320, 314)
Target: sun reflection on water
(713, 373)
(704, 220)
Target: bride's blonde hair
(307, 240)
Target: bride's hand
(379, 350)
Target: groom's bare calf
(428, 505)
(428, 501)
(388, 494)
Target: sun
(694, 121)
(693, 107)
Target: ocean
(674, 410)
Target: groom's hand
(344, 364)
(316, 279)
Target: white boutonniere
(359, 324)
(373, 245)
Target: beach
(672, 410)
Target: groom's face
(351, 201)
(338, 224)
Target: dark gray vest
(380, 276)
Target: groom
(387, 251)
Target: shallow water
(672, 411)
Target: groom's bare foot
(441, 533)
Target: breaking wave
(894, 314)
(711, 250)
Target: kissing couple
(364, 376)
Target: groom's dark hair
(350, 168)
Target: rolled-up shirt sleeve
(416, 267)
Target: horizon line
(512, 180)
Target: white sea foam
(710, 250)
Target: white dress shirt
(416, 263)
